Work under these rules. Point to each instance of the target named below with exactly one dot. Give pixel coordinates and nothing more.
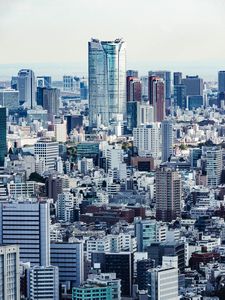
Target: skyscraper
(3, 132)
(221, 81)
(26, 87)
(180, 99)
(156, 94)
(166, 76)
(214, 165)
(44, 81)
(133, 89)
(177, 78)
(49, 151)
(167, 139)
(168, 194)
(194, 85)
(107, 80)
(32, 234)
(51, 101)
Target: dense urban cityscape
(112, 186)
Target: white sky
(186, 35)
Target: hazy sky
(51, 35)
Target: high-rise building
(177, 78)
(194, 102)
(168, 194)
(143, 266)
(43, 283)
(180, 99)
(69, 258)
(27, 225)
(107, 81)
(44, 81)
(167, 139)
(51, 100)
(163, 283)
(10, 272)
(49, 151)
(156, 96)
(9, 98)
(214, 165)
(166, 76)
(194, 85)
(132, 73)
(133, 89)
(145, 114)
(27, 88)
(3, 134)
(65, 207)
(221, 81)
(71, 84)
(147, 139)
(14, 82)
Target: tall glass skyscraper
(107, 81)
(3, 143)
(27, 88)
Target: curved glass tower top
(107, 81)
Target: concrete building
(194, 85)
(43, 283)
(51, 101)
(19, 221)
(147, 139)
(10, 273)
(156, 96)
(163, 284)
(65, 207)
(214, 165)
(167, 139)
(49, 151)
(90, 292)
(69, 258)
(168, 194)
(9, 98)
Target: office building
(145, 114)
(168, 194)
(69, 259)
(9, 272)
(149, 231)
(177, 78)
(180, 98)
(121, 263)
(51, 101)
(83, 89)
(43, 283)
(44, 81)
(33, 219)
(48, 151)
(221, 81)
(163, 283)
(132, 73)
(3, 135)
(167, 139)
(54, 187)
(214, 165)
(196, 154)
(194, 85)
(9, 99)
(71, 84)
(156, 251)
(133, 89)
(107, 81)
(89, 150)
(166, 76)
(90, 292)
(194, 102)
(156, 94)
(14, 83)
(143, 266)
(147, 139)
(27, 88)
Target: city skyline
(171, 41)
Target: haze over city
(51, 36)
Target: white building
(43, 283)
(145, 114)
(27, 225)
(213, 165)
(27, 189)
(49, 151)
(9, 270)
(163, 283)
(61, 131)
(65, 207)
(147, 139)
